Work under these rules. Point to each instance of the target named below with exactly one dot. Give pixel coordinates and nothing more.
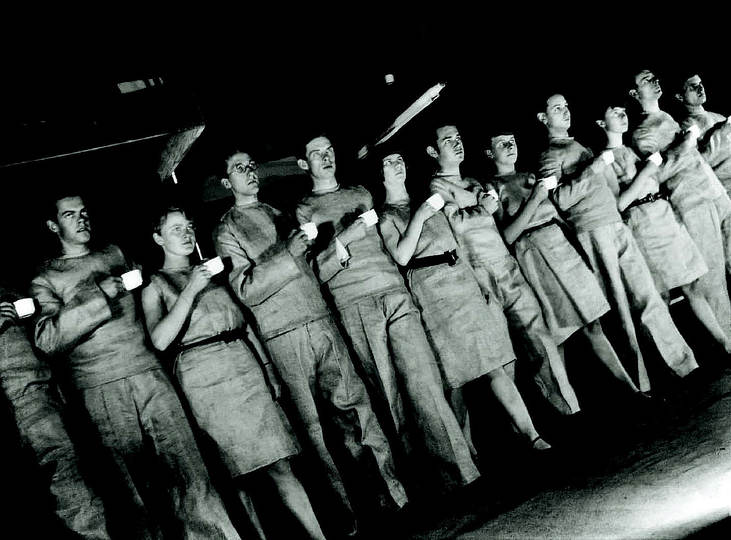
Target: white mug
(214, 265)
(492, 193)
(132, 279)
(310, 230)
(436, 201)
(370, 217)
(608, 157)
(25, 307)
(550, 182)
(694, 130)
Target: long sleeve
(327, 263)
(60, 326)
(460, 205)
(255, 282)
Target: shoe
(539, 444)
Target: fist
(297, 243)
(199, 278)
(355, 231)
(8, 315)
(112, 286)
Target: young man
(36, 407)
(695, 191)
(586, 193)
(378, 313)
(469, 209)
(89, 323)
(272, 278)
(714, 143)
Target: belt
(227, 336)
(652, 197)
(529, 230)
(448, 257)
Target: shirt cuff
(655, 158)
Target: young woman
(470, 336)
(218, 368)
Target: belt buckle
(452, 256)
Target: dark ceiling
(261, 84)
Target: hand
(355, 231)
(112, 286)
(424, 212)
(488, 202)
(539, 193)
(273, 379)
(297, 243)
(648, 185)
(199, 278)
(8, 315)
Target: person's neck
(449, 169)
(246, 200)
(173, 261)
(69, 251)
(324, 184)
(504, 169)
(614, 140)
(695, 109)
(558, 133)
(650, 106)
(396, 193)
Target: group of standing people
(354, 339)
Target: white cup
(694, 130)
(25, 307)
(492, 193)
(310, 230)
(608, 157)
(550, 182)
(214, 265)
(370, 217)
(132, 279)
(436, 201)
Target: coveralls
(37, 410)
(131, 403)
(501, 281)
(303, 341)
(587, 195)
(384, 326)
(697, 197)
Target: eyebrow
(319, 149)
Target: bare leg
(604, 350)
(248, 505)
(456, 400)
(295, 498)
(704, 313)
(503, 386)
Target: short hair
(226, 155)
(307, 138)
(161, 217)
(50, 204)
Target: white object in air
(550, 182)
(694, 130)
(608, 157)
(389, 78)
(415, 108)
(436, 201)
(655, 158)
(25, 307)
(214, 265)
(132, 279)
(370, 217)
(310, 229)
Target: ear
(601, 123)
(52, 226)
(303, 164)
(542, 118)
(432, 152)
(634, 94)
(225, 182)
(158, 239)
(679, 97)
(489, 153)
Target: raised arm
(163, 326)
(59, 326)
(255, 281)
